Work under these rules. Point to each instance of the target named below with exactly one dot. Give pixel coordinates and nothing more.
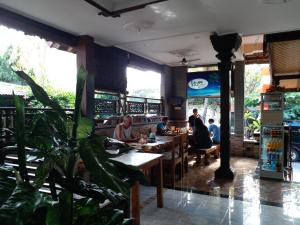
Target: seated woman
(201, 137)
(162, 128)
(123, 131)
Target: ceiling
(168, 31)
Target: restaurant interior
(66, 166)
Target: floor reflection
(245, 185)
(246, 200)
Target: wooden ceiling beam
(32, 27)
(284, 36)
(287, 77)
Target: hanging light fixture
(116, 8)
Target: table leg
(159, 188)
(135, 203)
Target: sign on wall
(203, 84)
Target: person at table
(162, 127)
(123, 131)
(192, 119)
(201, 137)
(214, 131)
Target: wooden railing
(7, 120)
(112, 104)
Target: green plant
(60, 143)
(252, 122)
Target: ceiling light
(114, 8)
(138, 26)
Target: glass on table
(143, 139)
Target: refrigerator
(272, 136)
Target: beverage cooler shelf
(273, 165)
(272, 138)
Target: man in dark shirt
(192, 119)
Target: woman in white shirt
(123, 131)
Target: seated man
(123, 131)
(162, 127)
(214, 131)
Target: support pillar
(85, 57)
(239, 96)
(225, 45)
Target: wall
(166, 87)
(111, 64)
(175, 91)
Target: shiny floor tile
(187, 208)
(246, 183)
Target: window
(53, 69)
(145, 84)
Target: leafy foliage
(292, 106)
(252, 81)
(6, 72)
(59, 143)
(13, 56)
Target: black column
(225, 45)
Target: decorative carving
(103, 106)
(135, 108)
(154, 108)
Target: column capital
(226, 45)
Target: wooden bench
(207, 152)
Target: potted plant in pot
(57, 143)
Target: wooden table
(165, 138)
(144, 161)
(151, 147)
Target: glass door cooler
(272, 136)
(272, 150)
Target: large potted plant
(57, 143)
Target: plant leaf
(96, 161)
(21, 205)
(81, 77)
(85, 127)
(61, 212)
(42, 172)
(20, 134)
(7, 183)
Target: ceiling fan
(184, 62)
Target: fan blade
(193, 60)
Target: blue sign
(203, 84)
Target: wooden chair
(172, 159)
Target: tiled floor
(245, 200)
(246, 182)
(186, 208)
